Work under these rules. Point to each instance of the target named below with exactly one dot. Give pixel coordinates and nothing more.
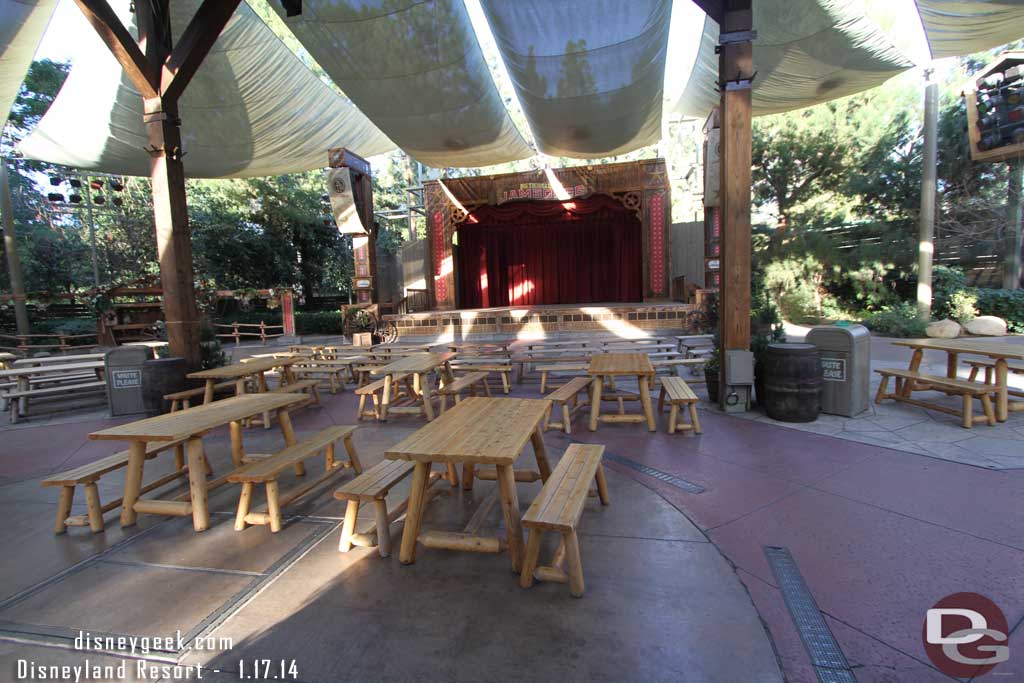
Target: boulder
(943, 329)
(987, 325)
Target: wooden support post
(735, 71)
(161, 72)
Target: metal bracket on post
(739, 83)
(733, 37)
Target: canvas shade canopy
(416, 69)
(589, 73)
(22, 23)
(253, 109)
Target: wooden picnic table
(420, 366)
(621, 364)
(477, 431)
(154, 346)
(190, 425)
(240, 372)
(1000, 352)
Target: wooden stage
(525, 322)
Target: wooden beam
(735, 70)
(142, 72)
(193, 46)
(713, 8)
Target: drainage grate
(687, 486)
(827, 658)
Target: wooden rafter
(193, 46)
(141, 71)
(713, 8)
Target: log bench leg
(244, 503)
(353, 455)
(349, 526)
(693, 418)
(673, 417)
(566, 418)
(274, 506)
(504, 382)
(93, 507)
(380, 509)
(530, 561)
(968, 416)
(882, 386)
(574, 564)
(467, 476)
(67, 496)
(990, 414)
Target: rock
(987, 325)
(943, 329)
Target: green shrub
(1004, 303)
(962, 305)
(946, 282)
(319, 322)
(900, 320)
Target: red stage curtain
(550, 252)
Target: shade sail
(253, 109)
(589, 73)
(416, 69)
(806, 52)
(22, 23)
(956, 27)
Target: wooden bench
(335, 376)
(989, 366)
(375, 390)
(267, 470)
(88, 475)
(468, 381)
(181, 400)
(16, 398)
(563, 367)
(907, 381)
(44, 381)
(307, 386)
(677, 392)
(558, 507)
(373, 486)
(567, 397)
(503, 370)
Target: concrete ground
(678, 587)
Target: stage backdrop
(639, 187)
(586, 250)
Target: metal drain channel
(826, 656)
(687, 486)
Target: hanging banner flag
(343, 203)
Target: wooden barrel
(792, 382)
(161, 376)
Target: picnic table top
(183, 424)
(343, 362)
(621, 364)
(29, 370)
(378, 348)
(153, 343)
(61, 360)
(490, 431)
(237, 370)
(420, 362)
(967, 346)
